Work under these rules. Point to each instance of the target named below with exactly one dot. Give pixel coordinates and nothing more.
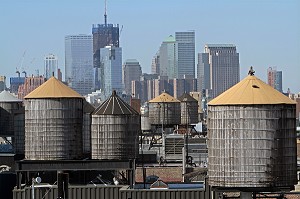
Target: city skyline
(266, 33)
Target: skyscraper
(111, 61)
(168, 58)
(155, 64)
(185, 54)
(131, 71)
(103, 35)
(79, 63)
(224, 67)
(203, 72)
(50, 65)
(275, 78)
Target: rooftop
(6, 96)
(164, 97)
(114, 105)
(251, 90)
(53, 88)
(220, 45)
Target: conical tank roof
(6, 96)
(251, 90)
(53, 88)
(114, 105)
(185, 97)
(164, 97)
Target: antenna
(105, 13)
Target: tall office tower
(168, 58)
(2, 83)
(50, 65)
(131, 71)
(203, 72)
(103, 35)
(224, 67)
(155, 64)
(111, 60)
(79, 63)
(185, 54)
(275, 78)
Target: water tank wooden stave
(251, 140)
(53, 129)
(12, 115)
(164, 110)
(53, 122)
(86, 131)
(115, 130)
(189, 109)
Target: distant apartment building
(15, 82)
(224, 67)
(155, 67)
(111, 61)
(59, 75)
(29, 85)
(50, 66)
(2, 83)
(79, 63)
(275, 78)
(131, 71)
(146, 90)
(296, 98)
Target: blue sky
(266, 32)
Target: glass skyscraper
(111, 61)
(79, 63)
(185, 54)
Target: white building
(111, 59)
(79, 63)
(50, 66)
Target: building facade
(79, 63)
(224, 67)
(2, 83)
(275, 78)
(15, 82)
(50, 65)
(29, 85)
(185, 53)
(155, 67)
(148, 89)
(203, 72)
(131, 71)
(111, 61)
(168, 58)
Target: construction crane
(21, 64)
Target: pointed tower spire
(105, 13)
